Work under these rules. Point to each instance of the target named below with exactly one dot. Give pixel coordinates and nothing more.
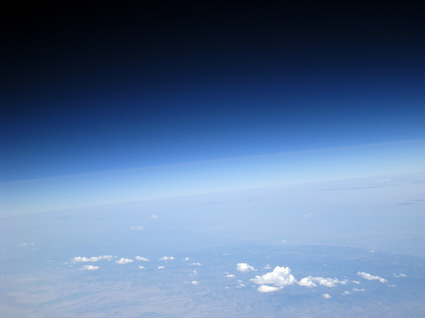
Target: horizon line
(212, 160)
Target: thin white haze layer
(53, 194)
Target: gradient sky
(95, 88)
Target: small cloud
(308, 215)
(371, 277)
(280, 277)
(399, 275)
(26, 244)
(268, 289)
(195, 264)
(144, 259)
(346, 293)
(241, 284)
(355, 282)
(137, 228)
(80, 259)
(244, 267)
(89, 267)
(195, 273)
(166, 258)
(358, 290)
(123, 261)
(307, 282)
(161, 267)
(185, 259)
(154, 216)
(267, 267)
(230, 275)
(372, 250)
(326, 296)
(141, 267)
(283, 241)
(194, 282)
(310, 281)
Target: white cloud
(195, 264)
(161, 267)
(241, 284)
(326, 296)
(141, 267)
(89, 267)
(346, 293)
(144, 259)
(166, 258)
(80, 259)
(154, 216)
(307, 282)
(268, 289)
(399, 275)
(195, 273)
(371, 277)
(355, 282)
(358, 290)
(268, 267)
(185, 259)
(230, 275)
(308, 215)
(195, 282)
(26, 244)
(124, 261)
(244, 267)
(280, 277)
(137, 228)
(310, 281)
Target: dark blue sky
(89, 88)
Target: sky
(108, 104)
(199, 157)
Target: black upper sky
(90, 82)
